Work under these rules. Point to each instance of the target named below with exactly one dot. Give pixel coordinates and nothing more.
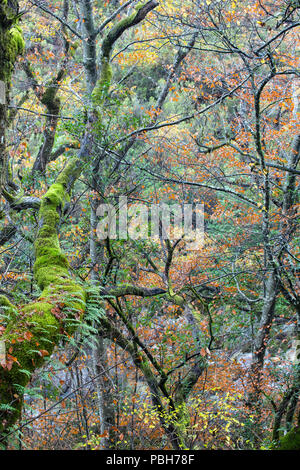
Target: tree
(61, 297)
(158, 102)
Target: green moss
(103, 84)
(29, 352)
(118, 29)
(291, 441)
(45, 276)
(71, 172)
(12, 45)
(62, 299)
(51, 268)
(4, 302)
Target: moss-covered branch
(52, 103)
(11, 45)
(140, 12)
(7, 232)
(31, 333)
(19, 202)
(11, 39)
(50, 99)
(131, 290)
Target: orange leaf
(44, 352)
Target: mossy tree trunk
(32, 331)
(49, 98)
